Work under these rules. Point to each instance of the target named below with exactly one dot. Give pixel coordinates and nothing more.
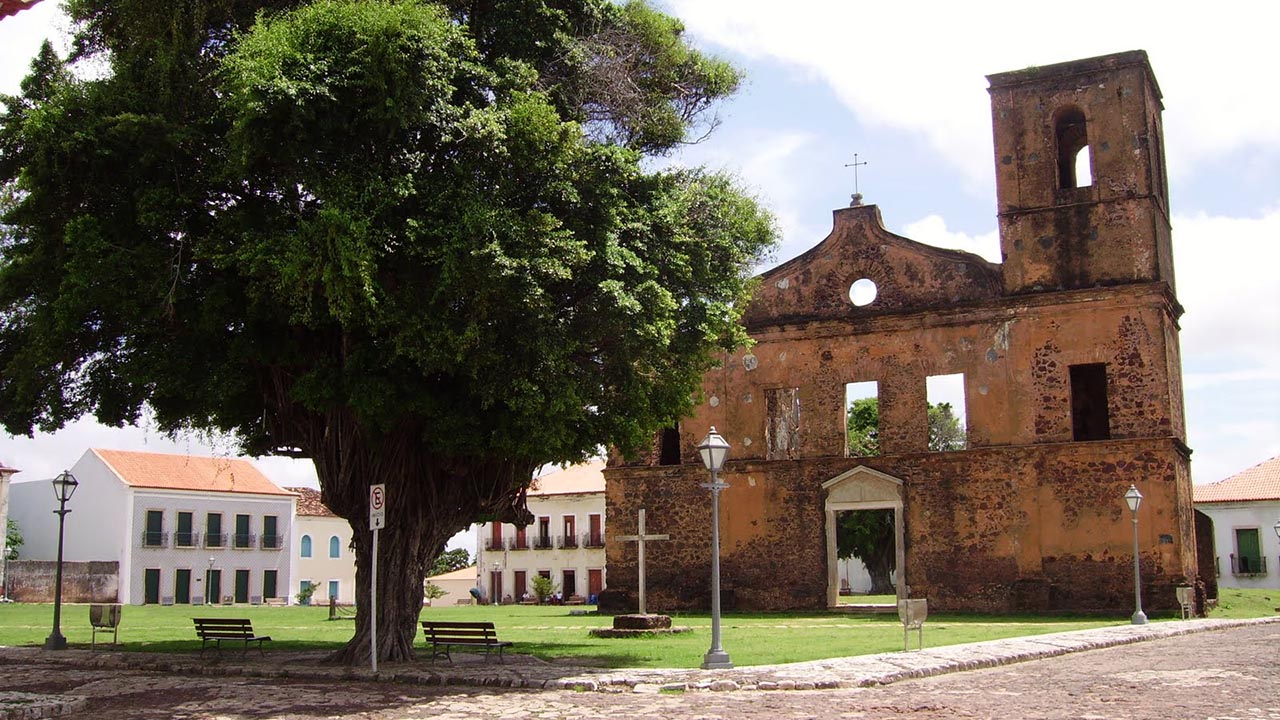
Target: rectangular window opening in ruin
(782, 426)
(948, 429)
(669, 446)
(1090, 417)
(862, 419)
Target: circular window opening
(862, 292)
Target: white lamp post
(1133, 499)
(714, 451)
(64, 486)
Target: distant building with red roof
(565, 542)
(182, 529)
(322, 556)
(1245, 510)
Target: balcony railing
(215, 540)
(1248, 564)
(186, 539)
(519, 543)
(592, 541)
(568, 541)
(155, 539)
(271, 542)
(542, 543)
(494, 544)
(243, 540)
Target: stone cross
(856, 198)
(641, 538)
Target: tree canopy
(415, 242)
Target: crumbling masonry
(1071, 371)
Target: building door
(184, 537)
(570, 532)
(268, 584)
(182, 586)
(214, 589)
(333, 590)
(595, 583)
(151, 586)
(154, 535)
(242, 586)
(569, 584)
(1248, 552)
(521, 584)
(595, 538)
(495, 586)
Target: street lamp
(495, 581)
(208, 583)
(714, 450)
(64, 486)
(1133, 499)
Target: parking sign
(377, 507)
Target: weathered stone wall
(82, 582)
(1025, 529)
(1031, 517)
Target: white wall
(1227, 518)
(320, 569)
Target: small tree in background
(432, 591)
(12, 540)
(543, 587)
(450, 560)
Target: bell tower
(1080, 176)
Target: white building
(564, 543)
(1245, 509)
(322, 556)
(183, 528)
(456, 584)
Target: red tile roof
(309, 502)
(188, 472)
(1260, 482)
(576, 479)
(10, 7)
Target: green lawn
(551, 633)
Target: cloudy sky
(903, 86)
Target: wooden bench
(215, 630)
(443, 635)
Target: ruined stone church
(1068, 352)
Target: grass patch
(551, 633)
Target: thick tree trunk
(429, 499)
(880, 568)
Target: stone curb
(858, 671)
(33, 706)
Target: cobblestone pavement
(1228, 671)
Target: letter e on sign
(377, 507)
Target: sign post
(377, 521)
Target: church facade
(1067, 353)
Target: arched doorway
(862, 488)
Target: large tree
(415, 242)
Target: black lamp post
(714, 451)
(1133, 499)
(64, 486)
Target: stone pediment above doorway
(863, 485)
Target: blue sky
(903, 85)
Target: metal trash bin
(103, 618)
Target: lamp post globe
(1133, 499)
(64, 486)
(714, 451)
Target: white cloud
(1226, 270)
(932, 230)
(922, 68)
